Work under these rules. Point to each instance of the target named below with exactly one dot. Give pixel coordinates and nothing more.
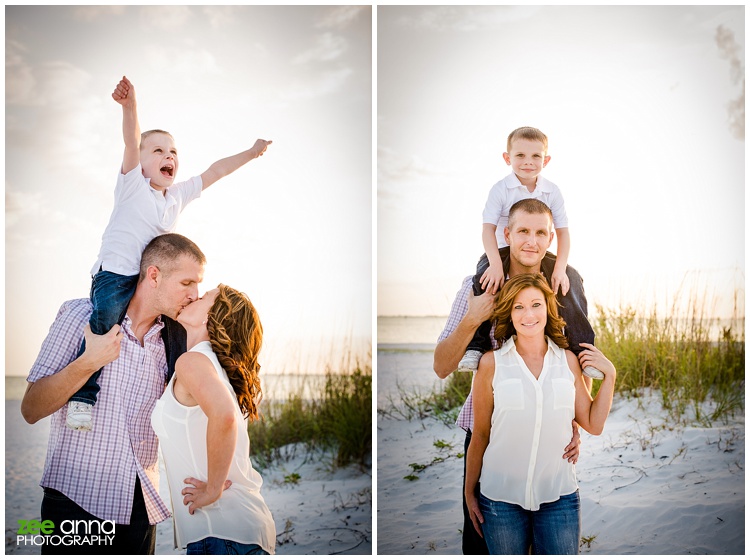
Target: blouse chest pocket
(565, 393)
(509, 395)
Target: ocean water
(404, 356)
(409, 330)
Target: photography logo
(71, 533)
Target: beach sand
(326, 512)
(647, 485)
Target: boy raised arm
(230, 164)
(124, 94)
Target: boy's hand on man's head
(260, 147)
(124, 93)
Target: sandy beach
(648, 485)
(324, 512)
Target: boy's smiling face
(159, 160)
(527, 158)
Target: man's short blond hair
(530, 206)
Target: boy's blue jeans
(214, 545)
(110, 296)
(573, 306)
(553, 529)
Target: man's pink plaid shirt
(98, 469)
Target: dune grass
(443, 403)
(337, 418)
(687, 357)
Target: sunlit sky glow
(637, 102)
(293, 229)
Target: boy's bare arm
(124, 94)
(494, 277)
(559, 276)
(228, 165)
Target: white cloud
(184, 62)
(329, 82)
(92, 13)
(169, 17)
(20, 84)
(65, 109)
(28, 85)
(456, 18)
(220, 16)
(392, 166)
(328, 47)
(341, 16)
(19, 205)
(61, 80)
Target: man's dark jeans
(472, 543)
(572, 306)
(136, 538)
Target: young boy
(147, 204)
(527, 156)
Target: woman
(526, 395)
(202, 429)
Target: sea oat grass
(443, 403)
(345, 417)
(337, 418)
(685, 357)
(446, 402)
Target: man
(109, 477)
(529, 235)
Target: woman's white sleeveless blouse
(241, 514)
(531, 426)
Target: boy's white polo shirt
(140, 214)
(506, 192)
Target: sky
(292, 229)
(641, 105)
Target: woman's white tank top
(241, 514)
(531, 426)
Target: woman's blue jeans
(213, 545)
(553, 529)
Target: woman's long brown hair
(504, 328)
(236, 337)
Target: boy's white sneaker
(592, 372)
(470, 361)
(79, 416)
